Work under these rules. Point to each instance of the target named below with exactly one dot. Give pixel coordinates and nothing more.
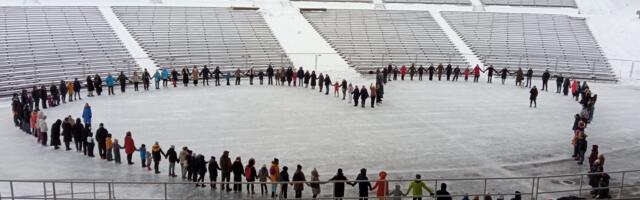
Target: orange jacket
(382, 185)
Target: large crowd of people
(29, 118)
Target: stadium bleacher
(541, 41)
(462, 2)
(187, 36)
(369, 39)
(544, 3)
(344, 1)
(43, 44)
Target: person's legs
(183, 171)
(530, 103)
(156, 166)
(284, 191)
(298, 194)
(129, 159)
(274, 188)
(581, 157)
(373, 101)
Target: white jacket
(42, 125)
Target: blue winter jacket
(165, 74)
(143, 153)
(156, 76)
(110, 81)
(86, 115)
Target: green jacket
(417, 186)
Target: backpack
(247, 172)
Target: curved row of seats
(225, 37)
(45, 44)
(369, 39)
(541, 41)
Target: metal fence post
(94, 189)
(533, 186)
(620, 195)
(53, 186)
(11, 186)
(537, 188)
(580, 187)
(109, 188)
(165, 191)
(71, 185)
(485, 187)
(44, 189)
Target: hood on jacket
(382, 174)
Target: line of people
(34, 122)
(57, 94)
(194, 167)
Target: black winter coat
(55, 133)
(90, 84)
(86, 133)
(546, 76)
(101, 135)
(313, 79)
(205, 73)
(270, 71)
(66, 132)
(157, 155)
(213, 169)
(172, 155)
(237, 168)
(76, 85)
(338, 187)
(327, 81)
(77, 131)
(534, 94)
(363, 93)
(356, 94)
(363, 187)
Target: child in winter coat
(262, 177)
(116, 151)
(109, 146)
(90, 145)
(143, 155)
(148, 157)
(227, 76)
(350, 89)
(336, 88)
(315, 187)
(417, 186)
(397, 193)
(382, 186)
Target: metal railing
(533, 187)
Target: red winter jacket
(476, 70)
(129, 146)
(403, 69)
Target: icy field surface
(439, 129)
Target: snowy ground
(438, 129)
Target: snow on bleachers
(187, 36)
(548, 3)
(558, 42)
(347, 1)
(463, 2)
(41, 45)
(369, 39)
